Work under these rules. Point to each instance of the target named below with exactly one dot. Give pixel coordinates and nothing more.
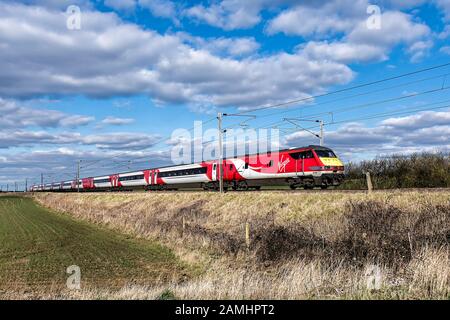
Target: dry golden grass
(303, 245)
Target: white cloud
(319, 18)
(362, 44)
(161, 8)
(124, 60)
(226, 47)
(444, 5)
(445, 33)
(16, 138)
(228, 14)
(115, 121)
(396, 27)
(445, 49)
(232, 47)
(420, 120)
(419, 50)
(112, 141)
(75, 121)
(344, 52)
(15, 115)
(121, 141)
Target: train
(304, 167)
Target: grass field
(37, 246)
(301, 245)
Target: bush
(425, 170)
(167, 295)
(371, 231)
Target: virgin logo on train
(282, 164)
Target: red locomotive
(307, 167)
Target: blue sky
(112, 91)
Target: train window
(246, 165)
(186, 172)
(325, 154)
(308, 155)
(231, 167)
(130, 178)
(164, 174)
(270, 163)
(295, 155)
(102, 180)
(302, 155)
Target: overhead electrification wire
(374, 116)
(345, 89)
(364, 105)
(398, 98)
(294, 109)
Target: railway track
(282, 191)
(362, 191)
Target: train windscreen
(325, 154)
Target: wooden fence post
(247, 235)
(369, 182)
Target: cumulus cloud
(419, 50)
(115, 121)
(299, 17)
(444, 5)
(15, 115)
(121, 141)
(319, 18)
(112, 141)
(417, 121)
(362, 44)
(396, 27)
(22, 138)
(221, 46)
(344, 52)
(124, 60)
(228, 14)
(445, 49)
(445, 33)
(160, 8)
